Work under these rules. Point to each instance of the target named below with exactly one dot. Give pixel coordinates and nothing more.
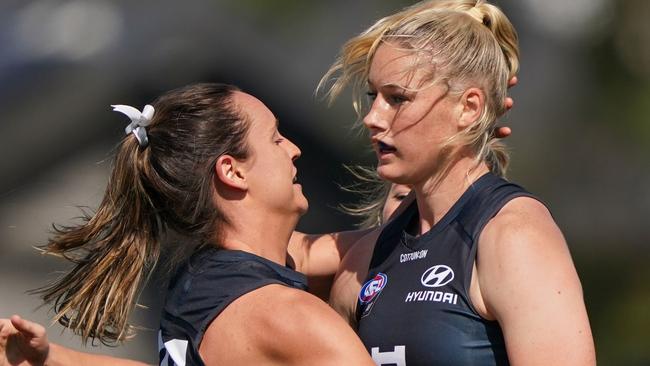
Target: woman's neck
(436, 195)
(261, 237)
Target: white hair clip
(139, 120)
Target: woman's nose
(375, 120)
(294, 150)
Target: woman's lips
(385, 148)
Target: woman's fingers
(27, 328)
(502, 132)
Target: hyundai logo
(437, 276)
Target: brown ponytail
(165, 185)
(113, 249)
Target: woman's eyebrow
(388, 85)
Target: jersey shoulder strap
(490, 194)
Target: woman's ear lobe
(472, 102)
(230, 173)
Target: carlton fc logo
(437, 276)
(372, 288)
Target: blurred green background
(581, 126)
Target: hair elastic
(139, 120)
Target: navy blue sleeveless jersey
(414, 308)
(203, 288)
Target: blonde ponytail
(493, 151)
(505, 34)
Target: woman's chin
(388, 173)
(303, 208)
(395, 175)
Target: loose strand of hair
(372, 191)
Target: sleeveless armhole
(383, 247)
(209, 284)
(254, 281)
(488, 200)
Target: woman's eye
(397, 99)
(371, 95)
(400, 196)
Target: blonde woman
(475, 272)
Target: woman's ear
(472, 102)
(230, 172)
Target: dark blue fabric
(415, 308)
(204, 287)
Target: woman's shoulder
(278, 322)
(522, 244)
(522, 216)
(529, 284)
(523, 207)
(522, 227)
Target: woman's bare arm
(529, 284)
(277, 325)
(23, 342)
(319, 256)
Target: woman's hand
(22, 342)
(504, 131)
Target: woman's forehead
(393, 66)
(255, 109)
